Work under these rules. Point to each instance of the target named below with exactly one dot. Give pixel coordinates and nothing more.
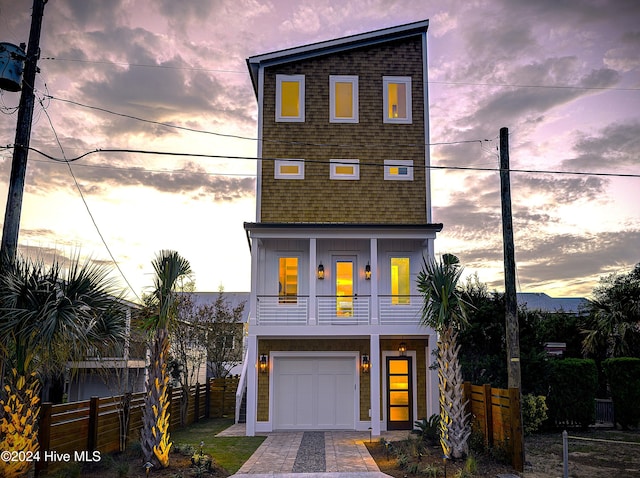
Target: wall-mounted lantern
(402, 349)
(367, 272)
(264, 363)
(366, 365)
(320, 271)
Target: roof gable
(332, 46)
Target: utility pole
(11, 226)
(511, 301)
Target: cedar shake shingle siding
(371, 199)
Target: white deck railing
(274, 310)
(400, 309)
(332, 310)
(349, 310)
(242, 384)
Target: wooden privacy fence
(495, 412)
(106, 424)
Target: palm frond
(443, 305)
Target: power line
(249, 138)
(145, 65)
(159, 171)
(323, 161)
(86, 205)
(518, 85)
(439, 82)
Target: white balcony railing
(332, 310)
(275, 310)
(400, 309)
(347, 310)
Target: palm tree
(612, 328)
(444, 310)
(169, 269)
(50, 314)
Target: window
(289, 169)
(288, 280)
(225, 342)
(343, 99)
(398, 169)
(400, 281)
(290, 98)
(345, 169)
(396, 96)
(344, 288)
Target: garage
(314, 393)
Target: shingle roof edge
(330, 46)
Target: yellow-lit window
(400, 281)
(398, 169)
(289, 169)
(399, 391)
(288, 280)
(343, 99)
(344, 288)
(345, 169)
(397, 99)
(290, 98)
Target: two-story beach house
(342, 225)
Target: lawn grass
(228, 452)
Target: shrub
(534, 412)
(572, 392)
(623, 375)
(428, 430)
(471, 465)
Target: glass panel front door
(399, 394)
(344, 287)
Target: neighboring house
(543, 302)
(343, 221)
(116, 371)
(235, 341)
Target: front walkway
(320, 453)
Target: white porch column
(312, 281)
(375, 370)
(375, 310)
(253, 302)
(252, 385)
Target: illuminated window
(288, 280)
(400, 281)
(345, 169)
(396, 96)
(399, 391)
(289, 169)
(290, 98)
(398, 170)
(344, 288)
(343, 99)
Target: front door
(399, 394)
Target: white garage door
(314, 393)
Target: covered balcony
(339, 310)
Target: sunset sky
(169, 76)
